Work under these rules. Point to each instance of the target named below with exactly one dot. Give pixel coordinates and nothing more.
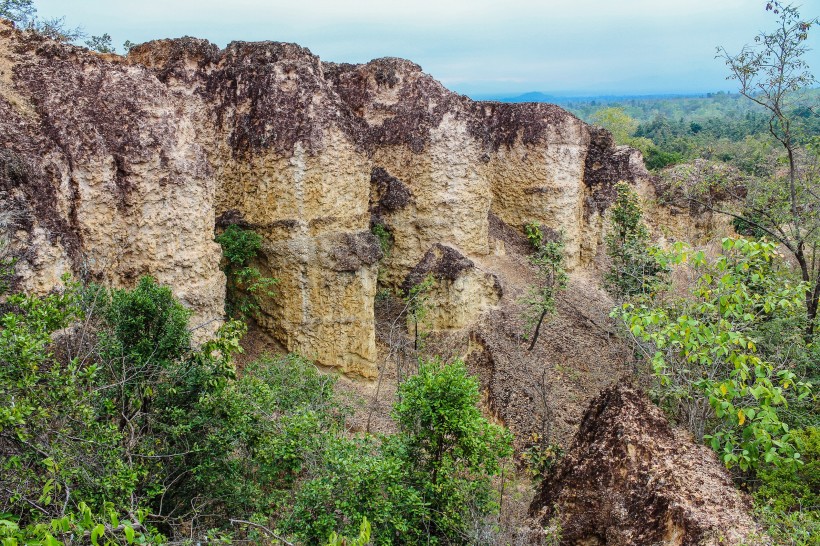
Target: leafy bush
(107, 529)
(362, 540)
(246, 283)
(794, 489)
(358, 481)
(704, 355)
(634, 270)
(111, 414)
(384, 236)
(549, 262)
(449, 449)
(534, 235)
(112, 426)
(788, 499)
(147, 324)
(425, 485)
(657, 159)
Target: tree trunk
(537, 329)
(812, 293)
(811, 309)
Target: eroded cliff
(119, 167)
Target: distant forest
(719, 126)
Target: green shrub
(384, 236)
(704, 356)
(357, 481)
(246, 283)
(450, 450)
(428, 484)
(794, 489)
(548, 259)
(657, 159)
(534, 235)
(113, 419)
(106, 529)
(127, 418)
(634, 270)
(261, 435)
(148, 324)
(362, 540)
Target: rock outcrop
(630, 479)
(122, 167)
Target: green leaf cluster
(246, 284)
(427, 484)
(634, 271)
(548, 259)
(116, 429)
(704, 353)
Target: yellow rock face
(106, 175)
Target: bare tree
(773, 74)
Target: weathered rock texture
(629, 479)
(122, 167)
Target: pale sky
(476, 47)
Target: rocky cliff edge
(117, 167)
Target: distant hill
(537, 96)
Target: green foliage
(24, 14)
(45, 402)
(634, 270)
(7, 260)
(534, 235)
(794, 489)
(704, 354)
(108, 529)
(148, 324)
(788, 499)
(246, 283)
(424, 485)
(790, 528)
(656, 158)
(108, 411)
(449, 449)
(362, 540)
(417, 305)
(626, 130)
(115, 418)
(261, 434)
(6, 272)
(384, 236)
(717, 126)
(617, 122)
(773, 74)
(239, 246)
(101, 44)
(358, 480)
(548, 259)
